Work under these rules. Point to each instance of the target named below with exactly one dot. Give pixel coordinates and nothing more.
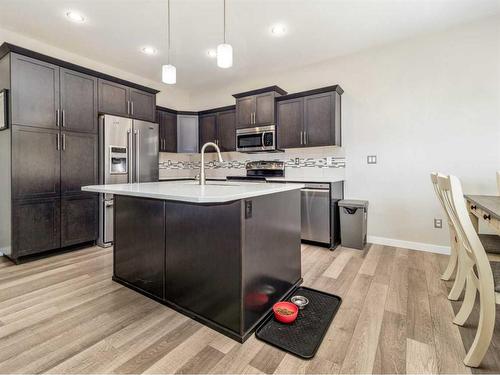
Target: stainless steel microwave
(256, 139)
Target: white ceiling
(317, 30)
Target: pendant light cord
(168, 15)
(224, 21)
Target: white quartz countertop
(191, 191)
(301, 179)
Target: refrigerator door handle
(136, 153)
(129, 156)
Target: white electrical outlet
(371, 159)
(438, 223)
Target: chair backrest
(439, 194)
(471, 245)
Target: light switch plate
(371, 159)
(438, 223)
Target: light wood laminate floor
(64, 314)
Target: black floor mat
(304, 336)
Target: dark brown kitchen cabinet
(36, 226)
(208, 129)
(35, 92)
(218, 126)
(78, 101)
(226, 128)
(139, 221)
(167, 122)
(121, 100)
(79, 161)
(257, 107)
(245, 108)
(113, 98)
(310, 120)
(142, 105)
(290, 122)
(79, 219)
(319, 116)
(36, 162)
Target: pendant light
(168, 72)
(224, 50)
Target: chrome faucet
(202, 166)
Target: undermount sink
(213, 183)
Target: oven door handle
(263, 137)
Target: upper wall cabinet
(35, 92)
(219, 126)
(47, 96)
(310, 119)
(257, 107)
(121, 100)
(167, 122)
(187, 133)
(78, 101)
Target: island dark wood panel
(223, 264)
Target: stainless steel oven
(256, 139)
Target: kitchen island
(222, 253)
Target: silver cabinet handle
(63, 118)
(128, 107)
(131, 107)
(58, 143)
(305, 137)
(57, 117)
(301, 138)
(64, 142)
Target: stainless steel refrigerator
(128, 153)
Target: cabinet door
(113, 98)
(78, 161)
(170, 133)
(36, 162)
(264, 109)
(187, 133)
(319, 119)
(35, 92)
(79, 218)
(290, 122)
(140, 224)
(142, 105)
(78, 101)
(226, 127)
(245, 107)
(208, 130)
(36, 226)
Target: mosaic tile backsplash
(324, 162)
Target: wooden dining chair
(453, 263)
(498, 182)
(474, 262)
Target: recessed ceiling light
(212, 53)
(148, 50)
(278, 29)
(75, 17)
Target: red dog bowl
(280, 312)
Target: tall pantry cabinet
(49, 151)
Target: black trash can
(353, 218)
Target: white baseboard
(409, 245)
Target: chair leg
(459, 284)
(468, 303)
(484, 330)
(452, 264)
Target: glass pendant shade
(169, 74)
(224, 56)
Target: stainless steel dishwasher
(320, 212)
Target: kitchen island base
(223, 264)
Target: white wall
(169, 96)
(424, 104)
